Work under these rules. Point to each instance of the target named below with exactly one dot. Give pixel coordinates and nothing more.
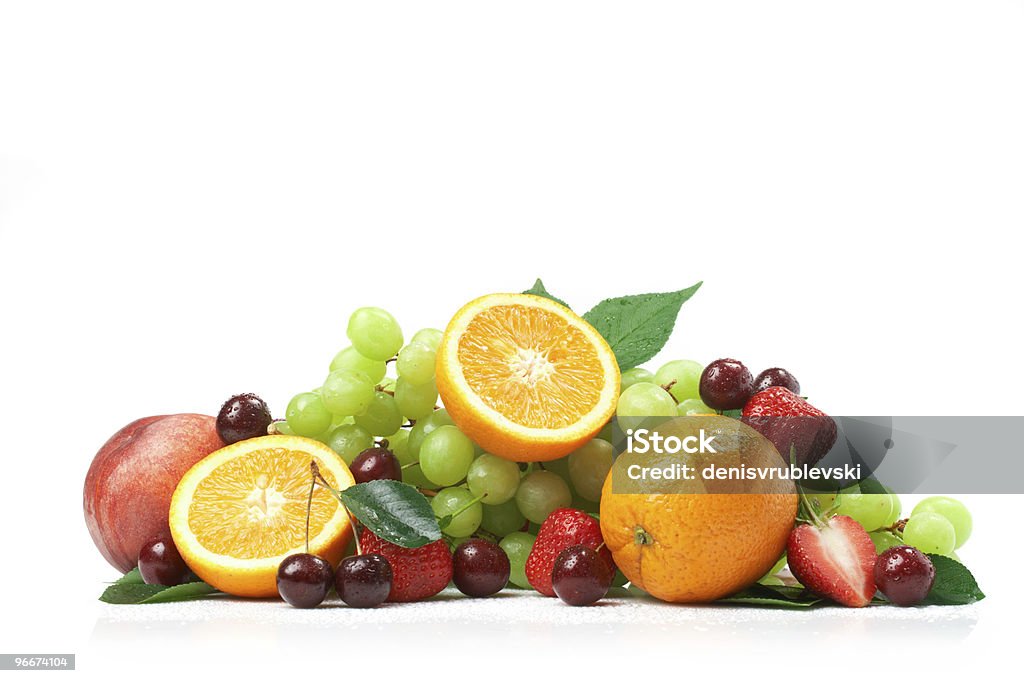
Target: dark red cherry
(303, 579)
(244, 416)
(160, 563)
(364, 580)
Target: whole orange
(697, 541)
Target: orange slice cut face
(241, 510)
(526, 378)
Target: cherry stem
(315, 471)
(319, 479)
(355, 531)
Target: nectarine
(130, 482)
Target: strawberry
(834, 558)
(563, 528)
(418, 573)
(809, 432)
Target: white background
(194, 195)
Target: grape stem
(412, 464)
(467, 505)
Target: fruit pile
(481, 456)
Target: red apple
(130, 482)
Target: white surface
(194, 196)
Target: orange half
(526, 378)
(242, 509)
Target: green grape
(457, 541)
(821, 501)
(459, 502)
(588, 506)
(884, 540)
(342, 420)
(307, 415)
(870, 510)
(416, 401)
(382, 417)
(541, 493)
(494, 478)
(589, 466)
(349, 441)
(412, 473)
(897, 509)
(559, 467)
(645, 399)
(281, 427)
(695, 406)
(686, 377)
(953, 510)
(429, 336)
(347, 392)
(517, 545)
(446, 455)
(930, 532)
(375, 333)
(350, 359)
(398, 443)
(415, 363)
(502, 519)
(438, 418)
(635, 376)
(606, 432)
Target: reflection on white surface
(607, 634)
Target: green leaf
(784, 597)
(144, 594)
(637, 326)
(539, 290)
(954, 583)
(394, 511)
(132, 576)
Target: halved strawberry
(835, 558)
